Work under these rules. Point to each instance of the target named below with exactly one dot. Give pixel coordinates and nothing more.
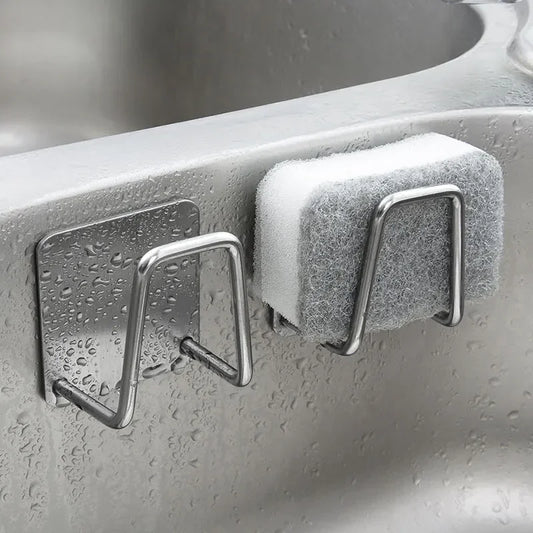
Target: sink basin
(73, 70)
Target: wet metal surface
(85, 276)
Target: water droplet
(89, 250)
(116, 259)
(171, 269)
(494, 382)
(178, 365)
(65, 293)
(153, 371)
(196, 434)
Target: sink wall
(426, 429)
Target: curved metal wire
(455, 314)
(239, 376)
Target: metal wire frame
(239, 376)
(455, 313)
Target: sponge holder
(131, 280)
(377, 225)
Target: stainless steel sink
(425, 430)
(73, 71)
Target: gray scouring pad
(312, 225)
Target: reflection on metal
(94, 291)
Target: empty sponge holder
(119, 299)
(450, 318)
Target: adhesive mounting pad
(84, 277)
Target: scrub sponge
(312, 225)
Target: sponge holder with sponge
(449, 318)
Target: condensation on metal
(85, 276)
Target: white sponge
(312, 225)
